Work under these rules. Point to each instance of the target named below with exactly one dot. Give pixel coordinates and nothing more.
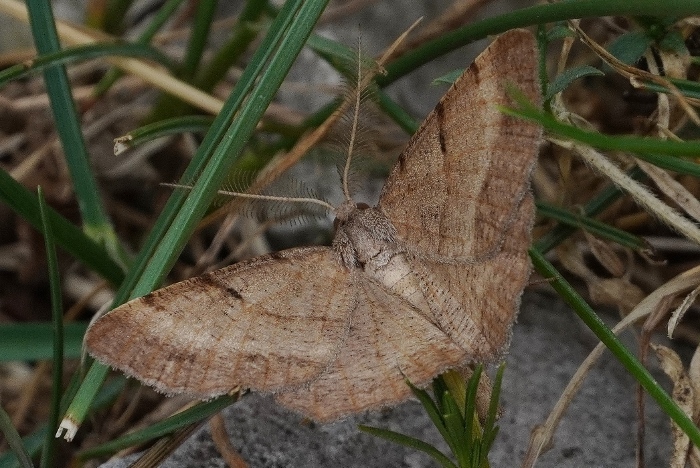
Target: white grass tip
(67, 429)
(121, 144)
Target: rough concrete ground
(549, 342)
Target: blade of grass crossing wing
(167, 426)
(221, 147)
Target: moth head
(346, 210)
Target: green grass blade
(470, 414)
(33, 341)
(682, 166)
(242, 34)
(221, 147)
(431, 408)
(114, 13)
(455, 384)
(48, 455)
(411, 442)
(172, 126)
(565, 78)
(460, 445)
(341, 57)
(160, 18)
(490, 429)
(96, 223)
(538, 14)
(629, 144)
(455, 425)
(167, 426)
(397, 113)
(595, 227)
(35, 440)
(627, 359)
(594, 207)
(203, 18)
(687, 88)
(69, 237)
(14, 441)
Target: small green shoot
(453, 410)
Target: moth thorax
(364, 236)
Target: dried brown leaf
(683, 395)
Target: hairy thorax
(365, 238)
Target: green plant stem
(161, 428)
(594, 207)
(95, 220)
(538, 14)
(33, 341)
(203, 18)
(592, 225)
(243, 33)
(172, 126)
(14, 440)
(164, 13)
(629, 144)
(220, 149)
(82, 53)
(48, 455)
(114, 13)
(608, 338)
(69, 237)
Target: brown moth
(429, 279)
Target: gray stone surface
(549, 342)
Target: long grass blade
(82, 53)
(48, 455)
(14, 441)
(412, 442)
(626, 358)
(69, 237)
(167, 426)
(95, 219)
(538, 14)
(221, 147)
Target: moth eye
(336, 222)
(362, 206)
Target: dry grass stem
(638, 192)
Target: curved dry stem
(637, 76)
(637, 191)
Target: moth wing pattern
(459, 184)
(260, 324)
